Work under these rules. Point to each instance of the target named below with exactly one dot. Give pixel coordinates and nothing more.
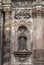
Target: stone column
(7, 33)
(38, 27)
(38, 34)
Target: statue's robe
(22, 43)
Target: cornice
(37, 8)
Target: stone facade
(21, 32)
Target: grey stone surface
(27, 14)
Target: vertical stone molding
(7, 33)
(43, 27)
(1, 33)
(38, 26)
(13, 41)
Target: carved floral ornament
(22, 17)
(22, 13)
(26, 23)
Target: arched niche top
(22, 28)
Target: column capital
(6, 6)
(0, 5)
(37, 11)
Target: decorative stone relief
(22, 13)
(22, 4)
(37, 11)
(21, 17)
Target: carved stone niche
(22, 53)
